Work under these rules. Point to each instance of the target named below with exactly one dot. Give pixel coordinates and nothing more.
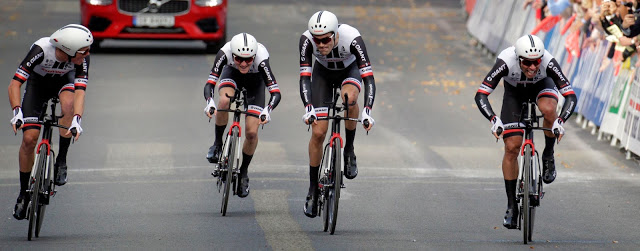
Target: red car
(157, 19)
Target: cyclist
(242, 62)
(529, 72)
(54, 66)
(341, 62)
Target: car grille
(143, 6)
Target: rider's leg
(66, 97)
(250, 142)
(351, 91)
(319, 132)
(26, 158)
(26, 154)
(66, 105)
(222, 118)
(548, 107)
(510, 172)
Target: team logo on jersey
(48, 63)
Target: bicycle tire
(229, 158)
(46, 185)
(526, 200)
(324, 205)
(323, 202)
(35, 191)
(334, 191)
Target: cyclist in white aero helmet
(341, 61)
(55, 66)
(242, 62)
(529, 72)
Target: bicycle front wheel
(334, 191)
(34, 209)
(46, 188)
(229, 162)
(526, 199)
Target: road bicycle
(330, 177)
(228, 166)
(41, 186)
(530, 189)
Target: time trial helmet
(529, 47)
(244, 45)
(71, 38)
(323, 22)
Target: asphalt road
(430, 174)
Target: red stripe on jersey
(483, 92)
(548, 94)
(80, 85)
(305, 74)
(323, 114)
(254, 112)
(569, 93)
(32, 125)
(21, 77)
(305, 65)
(211, 82)
(366, 74)
(513, 131)
(274, 90)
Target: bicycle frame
(330, 176)
(530, 190)
(229, 162)
(40, 181)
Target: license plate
(153, 21)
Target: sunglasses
(526, 62)
(239, 60)
(85, 52)
(325, 40)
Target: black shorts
(252, 82)
(323, 81)
(515, 96)
(37, 92)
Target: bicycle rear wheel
(334, 190)
(228, 161)
(34, 209)
(526, 199)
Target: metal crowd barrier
(608, 98)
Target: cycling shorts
(515, 96)
(37, 92)
(252, 82)
(324, 80)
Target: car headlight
(99, 2)
(208, 3)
